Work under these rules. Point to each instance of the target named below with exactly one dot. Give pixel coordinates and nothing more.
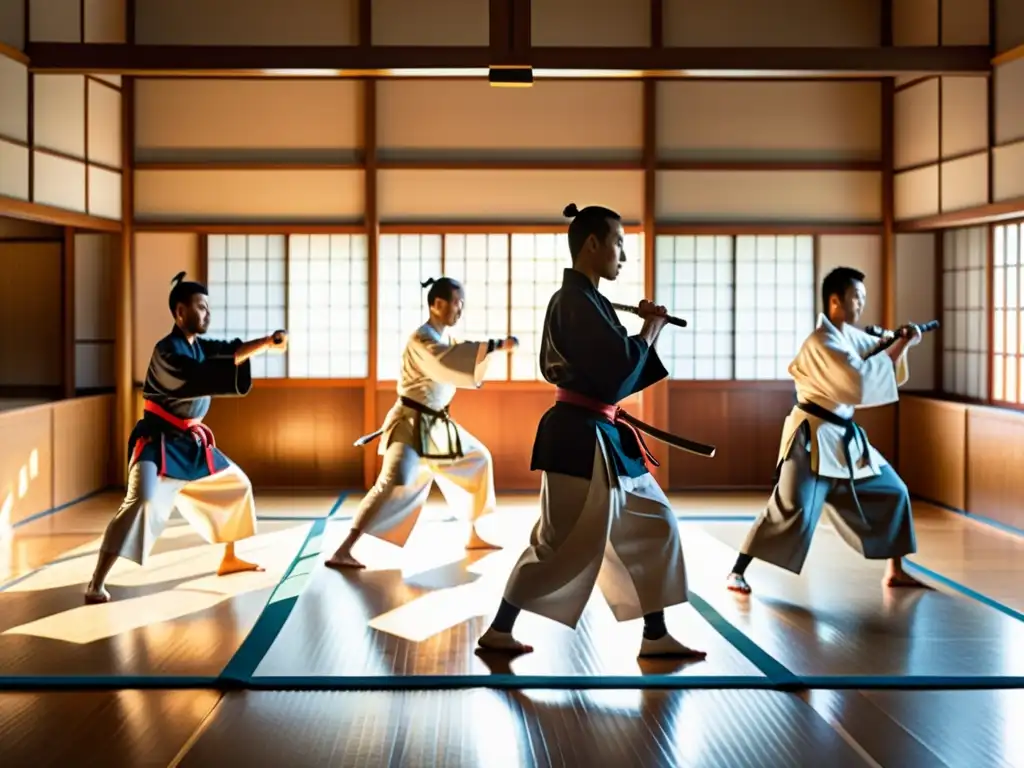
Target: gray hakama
(825, 461)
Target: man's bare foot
(666, 645)
(340, 560)
(475, 542)
(233, 564)
(901, 579)
(736, 583)
(95, 595)
(503, 642)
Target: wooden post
(67, 311)
(124, 412)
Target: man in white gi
(172, 458)
(825, 460)
(420, 442)
(604, 520)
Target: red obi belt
(612, 414)
(202, 433)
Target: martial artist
(420, 442)
(825, 460)
(604, 519)
(172, 458)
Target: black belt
(853, 431)
(423, 437)
(451, 428)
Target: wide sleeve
(599, 352)
(176, 375)
(461, 364)
(902, 368)
(831, 369)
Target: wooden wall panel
(915, 22)
(249, 195)
(964, 456)
(13, 170)
(1008, 171)
(965, 22)
(965, 182)
(750, 121)
(94, 366)
(933, 457)
(916, 193)
(58, 182)
(104, 125)
(94, 285)
(52, 454)
(551, 120)
(915, 271)
(1009, 24)
(964, 115)
(59, 113)
(81, 447)
(95, 262)
(55, 21)
(13, 99)
(246, 22)
(104, 193)
(29, 292)
(442, 22)
(508, 196)
(745, 423)
(104, 21)
(248, 120)
(863, 252)
(285, 437)
(26, 463)
(780, 23)
(916, 125)
(12, 24)
(158, 257)
(612, 23)
(825, 196)
(995, 455)
(1009, 101)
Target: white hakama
(832, 467)
(617, 532)
(220, 507)
(420, 448)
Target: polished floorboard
(481, 727)
(420, 611)
(417, 613)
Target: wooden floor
(412, 618)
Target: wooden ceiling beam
(356, 61)
(990, 213)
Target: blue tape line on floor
(955, 585)
(756, 655)
(272, 619)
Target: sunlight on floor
(195, 567)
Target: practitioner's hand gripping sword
(891, 337)
(636, 311)
(682, 443)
